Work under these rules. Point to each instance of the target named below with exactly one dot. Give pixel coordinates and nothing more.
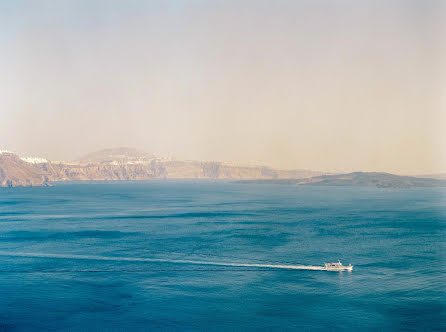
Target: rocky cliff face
(131, 164)
(102, 171)
(14, 172)
(162, 169)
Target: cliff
(14, 172)
(162, 169)
(132, 164)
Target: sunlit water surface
(120, 256)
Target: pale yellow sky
(326, 85)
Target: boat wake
(161, 260)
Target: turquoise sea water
(82, 256)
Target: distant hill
(373, 179)
(363, 179)
(441, 176)
(119, 155)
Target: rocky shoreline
(129, 164)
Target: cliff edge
(14, 172)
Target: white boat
(337, 267)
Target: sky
(322, 85)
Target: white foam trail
(161, 260)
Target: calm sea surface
(83, 256)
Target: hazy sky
(328, 85)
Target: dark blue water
(69, 257)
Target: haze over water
(93, 250)
(306, 84)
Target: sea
(182, 255)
